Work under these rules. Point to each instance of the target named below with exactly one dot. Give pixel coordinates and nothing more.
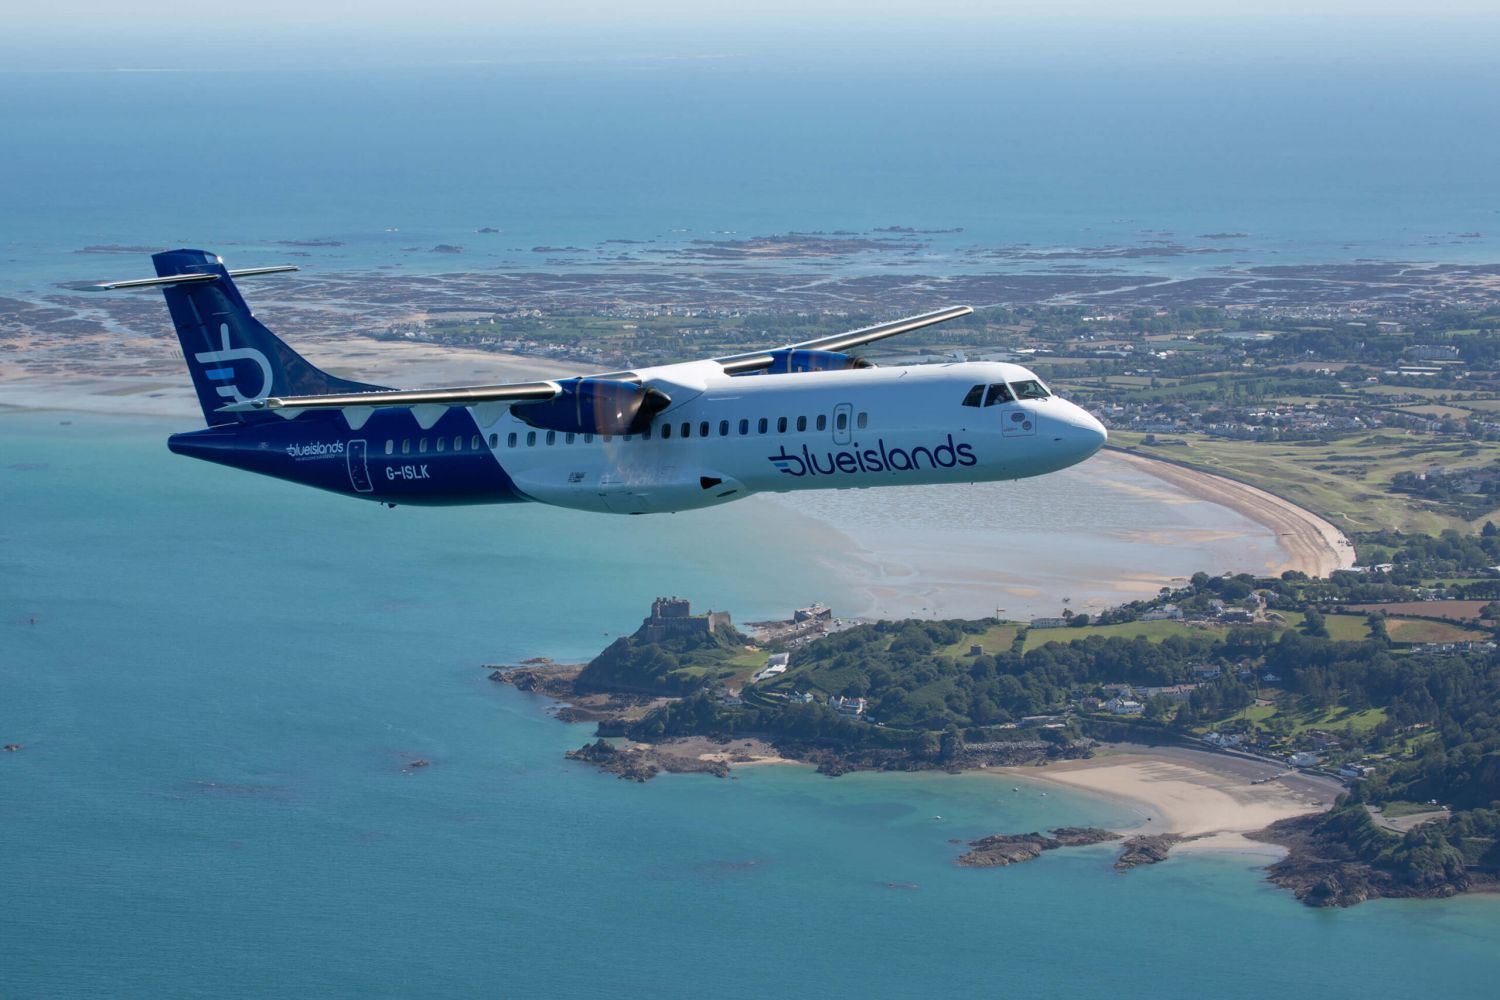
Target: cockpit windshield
(1030, 389)
(997, 393)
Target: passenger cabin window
(822, 421)
(863, 420)
(406, 446)
(570, 437)
(703, 429)
(975, 396)
(442, 444)
(801, 424)
(781, 425)
(552, 437)
(1030, 389)
(474, 442)
(744, 427)
(390, 446)
(841, 421)
(666, 430)
(422, 447)
(687, 429)
(760, 425)
(530, 439)
(495, 440)
(998, 393)
(723, 428)
(510, 440)
(458, 442)
(588, 439)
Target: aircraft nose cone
(1083, 432)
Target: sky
(113, 34)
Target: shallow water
(227, 678)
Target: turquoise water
(227, 676)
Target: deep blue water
(1312, 160)
(227, 676)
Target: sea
(221, 684)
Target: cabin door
(359, 469)
(843, 418)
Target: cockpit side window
(1030, 389)
(998, 393)
(975, 396)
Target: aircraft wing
(522, 391)
(844, 341)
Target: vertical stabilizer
(231, 356)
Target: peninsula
(1229, 712)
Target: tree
(1313, 624)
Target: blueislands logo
(880, 458)
(224, 372)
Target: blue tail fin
(231, 356)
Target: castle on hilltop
(673, 616)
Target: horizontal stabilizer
(172, 279)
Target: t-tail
(230, 354)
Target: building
(848, 706)
(1174, 693)
(1166, 611)
(1124, 706)
(813, 613)
(1048, 622)
(775, 664)
(673, 616)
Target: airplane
(654, 439)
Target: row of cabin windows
(685, 429)
(992, 395)
(438, 444)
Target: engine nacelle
(595, 406)
(789, 360)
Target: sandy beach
(1312, 544)
(1207, 797)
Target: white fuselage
(723, 438)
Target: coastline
(1312, 544)
(1206, 799)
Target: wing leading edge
(549, 389)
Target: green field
(1344, 480)
(995, 639)
(1421, 630)
(1154, 631)
(1347, 628)
(1334, 718)
(1397, 809)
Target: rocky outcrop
(1146, 850)
(1322, 869)
(643, 763)
(1009, 849)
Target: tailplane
(232, 357)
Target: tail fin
(231, 356)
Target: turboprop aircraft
(654, 439)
